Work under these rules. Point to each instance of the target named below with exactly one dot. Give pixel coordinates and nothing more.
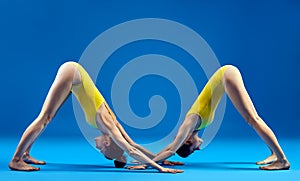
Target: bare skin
(67, 77)
(233, 85)
(30, 160)
(238, 94)
(277, 165)
(171, 163)
(268, 160)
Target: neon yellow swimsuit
(208, 100)
(88, 96)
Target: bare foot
(277, 165)
(30, 160)
(20, 165)
(268, 160)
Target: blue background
(260, 37)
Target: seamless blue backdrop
(260, 37)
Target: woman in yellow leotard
(113, 142)
(226, 79)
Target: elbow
(171, 152)
(135, 145)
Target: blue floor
(74, 158)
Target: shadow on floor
(223, 166)
(246, 166)
(89, 168)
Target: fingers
(137, 167)
(177, 171)
(169, 170)
(164, 170)
(171, 163)
(177, 163)
(166, 162)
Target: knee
(254, 121)
(67, 66)
(49, 118)
(232, 67)
(45, 118)
(67, 71)
(230, 71)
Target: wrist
(160, 168)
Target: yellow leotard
(208, 100)
(88, 96)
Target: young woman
(227, 79)
(71, 77)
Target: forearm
(148, 153)
(141, 157)
(132, 143)
(185, 129)
(163, 156)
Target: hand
(169, 170)
(171, 163)
(135, 162)
(137, 167)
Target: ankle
(282, 160)
(25, 154)
(16, 159)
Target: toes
(260, 163)
(33, 161)
(270, 167)
(263, 162)
(29, 169)
(263, 168)
(35, 168)
(40, 163)
(22, 167)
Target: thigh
(238, 94)
(60, 89)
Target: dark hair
(119, 164)
(184, 151)
(107, 157)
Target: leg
(236, 91)
(67, 75)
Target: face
(102, 142)
(194, 143)
(108, 147)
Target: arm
(117, 137)
(132, 151)
(132, 143)
(127, 137)
(169, 150)
(186, 128)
